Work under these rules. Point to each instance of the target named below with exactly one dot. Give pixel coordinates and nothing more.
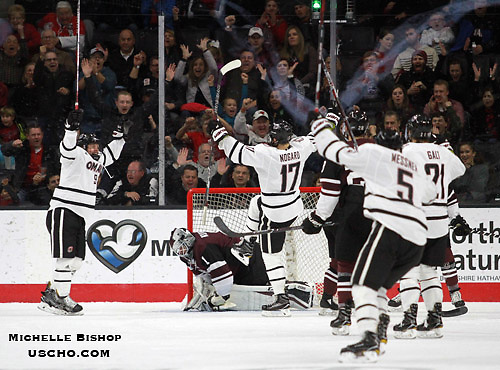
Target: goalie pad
(252, 298)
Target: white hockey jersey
(279, 171)
(80, 174)
(395, 185)
(442, 166)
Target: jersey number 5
(285, 170)
(402, 174)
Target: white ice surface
(161, 336)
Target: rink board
(133, 263)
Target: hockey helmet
(85, 139)
(182, 241)
(415, 121)
(358, 122)
(390, 139)
(423, 133)
(281, 132)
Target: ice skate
(395, 303)
(431, 327)
(457, 301)
(340, 326)
(407, 328)
(327, 306)
(280, 307)
(383, 324)
(366, 350)
(51, 302)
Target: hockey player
(81, 165)
(442, 166)
(395, 188)
(219, 260)
(342, 194)
(279, 166)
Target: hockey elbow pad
(460, 227)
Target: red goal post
(305, 256)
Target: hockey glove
(312, 224)
(219, 134)
(118, 131)
(460, 227)
(212, 126)
(244, 250)
(320, 125)
(73, 120)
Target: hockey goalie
(229, 273)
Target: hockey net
(305, 256)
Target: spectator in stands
(140, 86)
(272, 21)
(302, 19)
(440, 127)
(292, 90)
(185, 179)
(472, 185)
(368, 89)
(234, 82)
(196, 80)
(295, 49)
(10, 128)
(392, 121)
(24, 98)
(23, 30)
(205, 165)
(385, 54)
(437, 33)
(264, 54)
(8, 196)
(460, 86)
(239, 176)
(49, 42)
(151, 152)
(418, 81)
(439, 102)
(105, 82)
(64, 24)
(121, 60)
(54, 87)
(277, 111)
(33, 161)
(194, 133)
(404, 60)
(258, 131)
(485, 119)
(400, 103)
(139, 188)
(44, 194)
(172, 51)
(13, 57)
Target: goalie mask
(281, 132)
(182, 242)
(390, 139)
(84, 140)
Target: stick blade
(230, 66)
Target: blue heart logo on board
(116, 246)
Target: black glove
(73, 121)
(460, 227)
(212, 126)
(312, 224)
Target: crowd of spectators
(437, 58)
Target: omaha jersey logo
(116, 245)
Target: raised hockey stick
(225, 68)
(219, 222)
(321, 33)
(77, 51)
(337, 101)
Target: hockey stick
(219, 222)
(337, 101)
(77, 51)
(321, 29)
(455, 312)
(225, 68)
